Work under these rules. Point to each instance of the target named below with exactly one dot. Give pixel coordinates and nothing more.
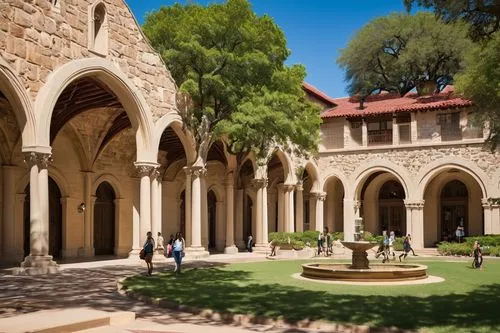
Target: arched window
(98, 29)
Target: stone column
(204, 210)
(299, 212)
(196, 250)
(155, 203)
(413, 127)
(281, 208)
(8, 216)
(320, 199)
(238, 228)
(88, 237)
(364, 133)
(415, 222)
(144, 171)
(491, 217)
(395, 131)
(290, 218)
(230, 247)
(350, 211)
(187, 206)
(261, 215)
(39, 261)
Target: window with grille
(450, 126)
(332, 135)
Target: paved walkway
(93, 285)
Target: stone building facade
(93, 154)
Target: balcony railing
(380, 137)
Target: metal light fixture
(81, 208)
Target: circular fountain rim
(428, 280)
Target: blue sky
(315, 29)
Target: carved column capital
(155, 174)
(42, 160)
(321, 196)
(198, 172)
(288, 187)
(299, 186)
(414, 204)
(259, 183)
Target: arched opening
(248, 225)
(452, 197)
(392, 211)
(454, 209)
(334, 205)
(382, 203)
(212, 220)
(182, 213)
(55, 220)
(104, 220)
(99, 29)
(243, 204)
(277, 210)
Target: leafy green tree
(480, 79)
(482, 15)
(399, 52)
(279, 114)
(224, 57)
(480, 82)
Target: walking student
(406, 248)
(178, 251)
(148, 248)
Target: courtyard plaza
(93, 285)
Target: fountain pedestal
(359, 255)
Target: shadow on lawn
(222, 291)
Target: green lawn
(468, 301)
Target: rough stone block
(16, 31)
(22, 18)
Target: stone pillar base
(159, 257)
(37, 265)
(86, 252)
(261, 248)
(196, 252)
(230, 249)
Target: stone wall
(411, 159)
(36, 38)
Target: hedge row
(297, 240)
(490, 245)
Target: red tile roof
(317, 93)
(392, 103)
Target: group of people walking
(175, 248)
(386, 249)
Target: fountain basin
(376, 272)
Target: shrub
(454, 249)
(488, 240)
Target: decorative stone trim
(259, 183)
(42, 160)
(318, 196)
(198, 172)
(414, 204)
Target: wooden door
(104, 220)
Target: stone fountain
(360, 269)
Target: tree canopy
(482, 15)
(399, 52)
(480, 82)
(480, 79)
(228, 61)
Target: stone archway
(452, 196)
(334, 204)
